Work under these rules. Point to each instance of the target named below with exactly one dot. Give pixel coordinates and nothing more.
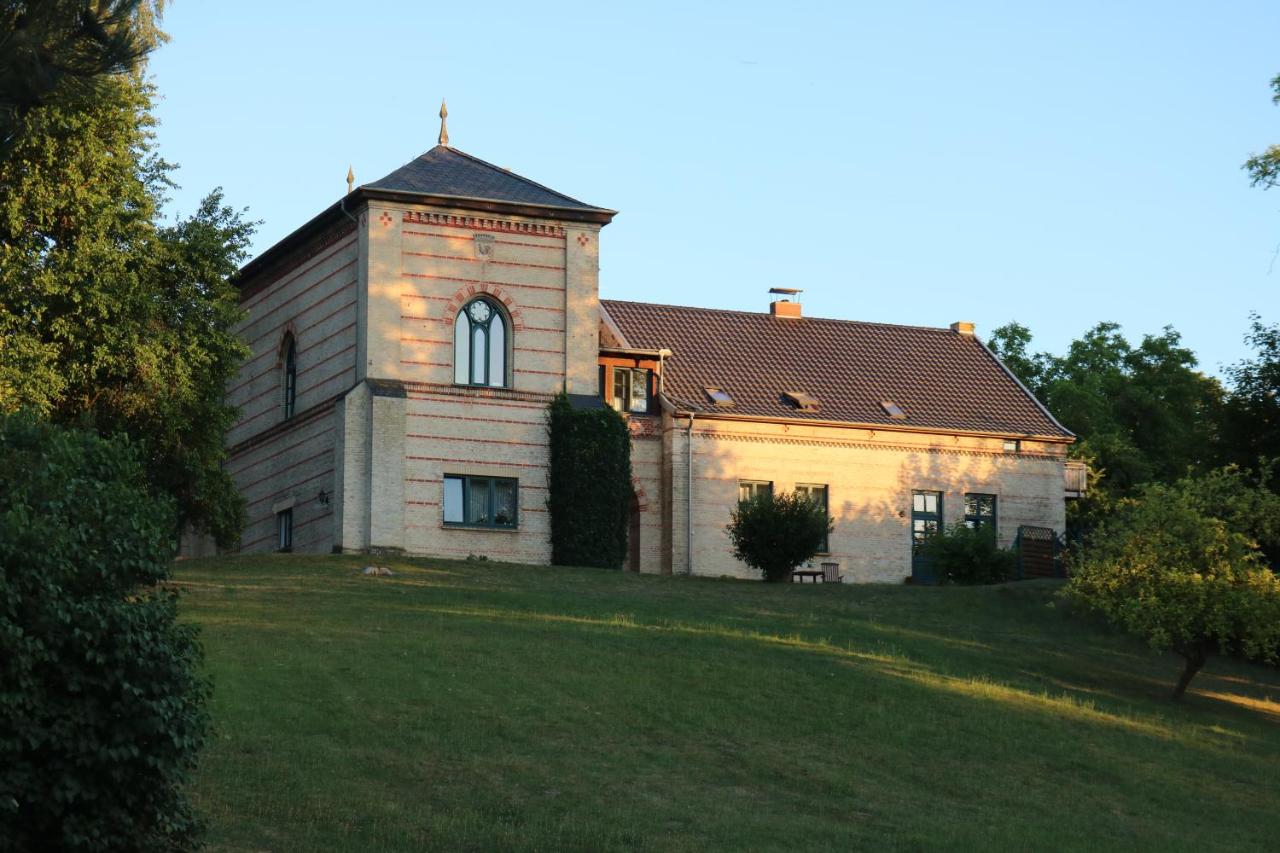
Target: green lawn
(480, 706)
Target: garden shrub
(775, 533)
(968, 555)
(589, 485)
(1161, 569)
(101, 710)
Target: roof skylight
(802, 400)
(720, 397)
(893, 410)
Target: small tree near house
(776, 533)
(1161, 569)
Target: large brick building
(407, 341)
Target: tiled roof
(940, 379)
(449, 172)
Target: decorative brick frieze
(482, 223)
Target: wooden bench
(807, 576)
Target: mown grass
(480, 706)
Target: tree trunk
(1195, 655)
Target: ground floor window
(817, 494)
(980, 510)
(284, 530)
(480, 501)
(750, 489)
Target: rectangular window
(926, 516)
(480, 501)
(1012, 445)
(749, 489)
(980, 510)
(817, 494)
(630, 389)
(284, 530)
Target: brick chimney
(960, 327)
(782, 306)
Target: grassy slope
(482, 706)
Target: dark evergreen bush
(776, 533)
(969, 555)
(101, 710)
(589, 485)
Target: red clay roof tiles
(940, 379)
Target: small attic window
(720, 397)
(801, 400)
(893, 410)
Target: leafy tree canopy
(1160, 568)
(1264, 168)
(108, 318)
(1142, 413)
(1252, 424)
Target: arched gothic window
(480, 345)
(290, 384)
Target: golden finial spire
(444, 131)
(351, 179)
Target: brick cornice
(854, 444)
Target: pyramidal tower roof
(450, 173)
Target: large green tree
(1143, 413)
(1252, 423)
(107, 317)
(52, 45)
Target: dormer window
(893, 410)
(480, 345)
(720, 398)
(802, 400)
(630, 389)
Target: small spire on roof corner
(444, 130)
(351, 179)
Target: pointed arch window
(290, 384)
(480, 345)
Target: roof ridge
(789, 319)
(508, 173)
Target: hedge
(589, 485)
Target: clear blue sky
(912, 163)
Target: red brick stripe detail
(423, 480)
(270, 334)
(286, 303)
(489, 462)
(326, 473)
(329, 358)
(553, 247)
(326, 514)
(266, 459)
(479, 282)
(475, 420)
(425, 341)
(476, 440)
(542, 372)
(247, 486)
(332, 313)
(470, 260)
(525, 349)
(420, 296)
(267, 289)
(424, 363)
(423, 503)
